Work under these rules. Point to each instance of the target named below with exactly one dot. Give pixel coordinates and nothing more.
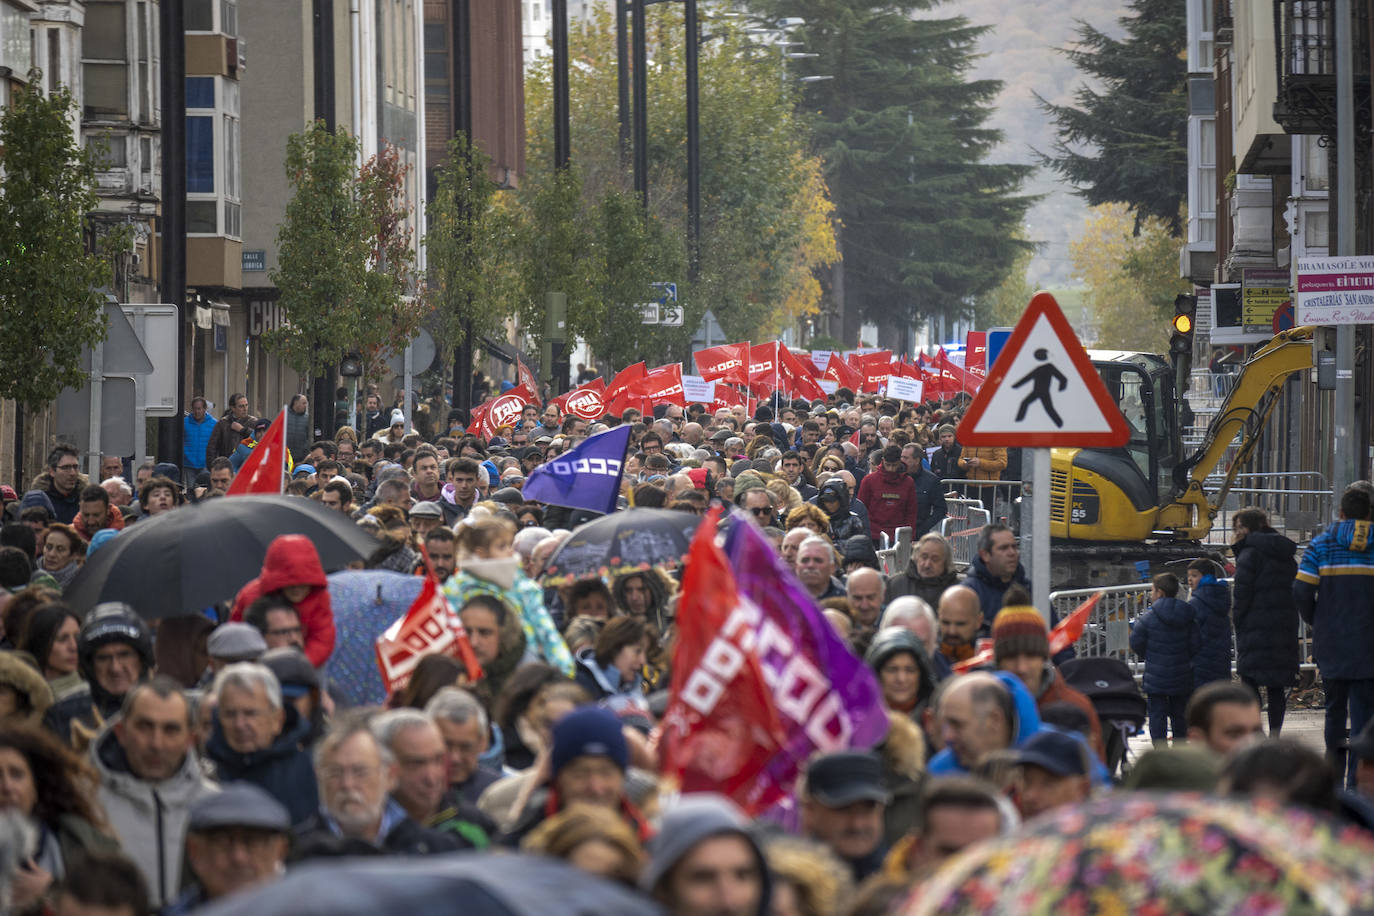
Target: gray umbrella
(195, 555)
(471, 884)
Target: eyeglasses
(762, 512)
(69, 467)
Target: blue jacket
(283, 770)
(930, 503)
(1211, 604)
(1027, 724)
(1334, 591)
(194, 440)
(1265, 613)
(1167, 637)
(991, 589)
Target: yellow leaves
(816, 248)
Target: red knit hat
(1019, 630)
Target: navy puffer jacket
(1265, 613)
(1211, 604)
(1166, 636)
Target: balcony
(1304, 33)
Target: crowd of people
(155, 766)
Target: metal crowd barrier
(1295, 512)
(961, 526)
(998, 497)
(895, 558)
(1108, 630)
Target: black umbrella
(623, 542)
(474, 884)
(193, 556)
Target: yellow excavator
(1111, 508)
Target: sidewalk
(1304, 725)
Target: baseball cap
(841, 778)
(303, 469)
(239, 804)
(1056, 752)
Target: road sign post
(1042, 392)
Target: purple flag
(826, 698)
(584, 477)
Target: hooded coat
(844, 523)
(891, 641)
(282, 769)
(606, 687)
(1334, 592)
(661, 590)
(1166, 637)
(149, 817)
(903, 754)
(1211, 604)
(1265, 613)
(292, 560)
(910, 582)
(1027, 723)
(65, 506)
(685, 825)
(114, 523)
(891, 500)
(21, 677)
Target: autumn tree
(51, 304)
(346, 262)
(928, 222)
(1130, 278)
(1124, 140)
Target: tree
(1130, 270)
(1003, 305)
(468, 244)
(50, 284)
(1127, 143)
(928, 222)
(765, 214)
(346, 265)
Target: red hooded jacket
(292, 560)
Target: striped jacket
(1334, 591)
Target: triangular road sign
(1043, 390)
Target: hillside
(1022, 50)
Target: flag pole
(281, 472)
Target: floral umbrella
(1161, 853)
(635, 539)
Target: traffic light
(1185, 315)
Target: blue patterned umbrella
(365, 603)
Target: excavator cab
(1143, 387)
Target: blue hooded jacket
(1211, 604)
(1334, 591)
(1166, 637)
(1027, 724)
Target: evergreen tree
(927, 222)
(50, 282)
(1127, 143)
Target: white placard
(828, 386)
(906, 389)
(696, 390)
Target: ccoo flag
(584, 477)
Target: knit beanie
(1019, 630)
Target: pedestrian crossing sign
(1043, 390)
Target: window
(200, 92)
(229, 17)
(147, 103)
(202, 217)
(231, 156)
(54, 59)
(104, 61)
(200, 154)
(1315, 231)
(199, 15)
(107, 150)
(1315, 165)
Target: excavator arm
(1243, 413)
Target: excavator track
(1100, 564)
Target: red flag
(763, 369)
(726, 397)
(661, 386)
(1068, 630)
(876, 367)
(428, 627)
(264, 471)
(976, 353)
(584, 401)
(617, 396)
(721, 727)
(527, 379)
(801, 380)
(843, 374)
(502, 410)
(726, 363)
